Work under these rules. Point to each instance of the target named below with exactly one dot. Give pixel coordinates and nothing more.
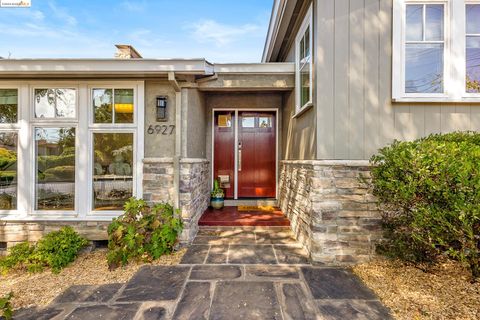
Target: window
(8, 170)
(473, 48)
(436, 50)
(424, 48)
(303, 72)
(55, 169)
(113, 105)
(71, 150)
(55, 103)
(113, 170)
(8, 105)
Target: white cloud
(62, 14)
(221, 34)
(134, 6)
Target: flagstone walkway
(227, 273)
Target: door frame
(235, 169)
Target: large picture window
(8, 170)
(112, 170)
(303, 72)
(436, 51)
(55, 169)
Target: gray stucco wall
(194, 121)
(158, 145)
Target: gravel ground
(39, 289)
(444, 292)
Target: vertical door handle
(239, 156)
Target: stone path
(226, 274)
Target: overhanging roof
(282, 13)
(89, 67)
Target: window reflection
(55, 103)
(112, 170)
(55, 168)
(473, 48)
(8, 105)
(124, 106)
(248, 122)
(8, 170)
(102, 104)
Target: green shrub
(61, 173)
(56, 250)
(429, 191)
(142, 233)
(6, 308)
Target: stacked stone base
(331, 209)
(158, 186)
(13, 232)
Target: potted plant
(217, 196)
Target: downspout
(178, 138)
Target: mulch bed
(37, 289)
(445, 291)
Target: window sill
(437, 100)
(301, 111)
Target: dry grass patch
(444, 292)
(39, 289)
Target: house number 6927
(161, 129)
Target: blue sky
(218, 30)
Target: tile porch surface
(232, 216)
(228, 273)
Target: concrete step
(251, 202)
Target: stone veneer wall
(194, 188)
(157, 187)
(331, 209)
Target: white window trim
(307, 22)
(454, 54)
(84, 128)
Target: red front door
(256, 155)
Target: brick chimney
(125, 51)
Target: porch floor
(237, 217)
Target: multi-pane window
(304, 63)
(113, 148)
(436, 50)
(8, 149)
(473, 48)
(424, 48)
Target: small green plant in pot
(217, 199)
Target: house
(339, 79)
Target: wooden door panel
(224, 148)
(257, 177)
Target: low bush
(142, 233)
(60, 173)
(56, 250)
(6, 308)
(429, 191)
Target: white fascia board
(255, 68)
(103, 66)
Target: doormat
(256, 208)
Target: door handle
(239, 156)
